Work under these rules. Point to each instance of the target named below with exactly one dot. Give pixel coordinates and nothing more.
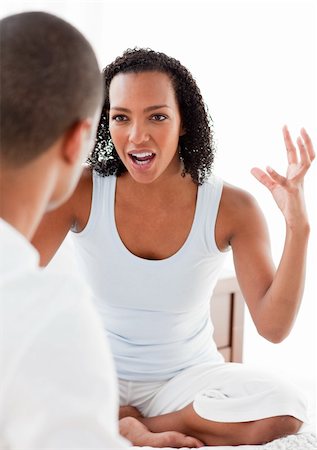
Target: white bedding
(301, 441)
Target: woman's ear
(182, 130)
(75, 140)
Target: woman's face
(145, 124)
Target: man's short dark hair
(50, 80)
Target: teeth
(141, 163)
(141, 155)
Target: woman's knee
(267, 430)
(241, 433)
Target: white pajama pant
(225, 392)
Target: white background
(255, 63)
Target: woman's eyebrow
(149, 108)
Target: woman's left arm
(275, 296)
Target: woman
(152, 234)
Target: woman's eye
(119, 118)
(158, 117)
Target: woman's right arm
(56, 224)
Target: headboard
(227, 313)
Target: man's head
(51, 89)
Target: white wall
(256, 65)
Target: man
(57, 378)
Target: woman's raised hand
(288, 191)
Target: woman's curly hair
(196, 145)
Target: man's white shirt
(57, 378)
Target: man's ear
(73, 141)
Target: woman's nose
(138, 134)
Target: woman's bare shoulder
(81, 199)
(56, 223)
(238, 212)
(236, 199)
(241, 212)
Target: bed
(302, 441)
(227, 312)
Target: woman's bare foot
(139, 435)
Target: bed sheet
(239, 447)
(300, 441)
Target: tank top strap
(101, 202)
(210, 202)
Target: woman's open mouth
(142, 159)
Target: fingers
(290, 147)
(296, 169)
(305, 159)
(306, 153)
(305, 146)
(263, 178)
(308, 143)
(276, 176)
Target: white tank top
(156, 312)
